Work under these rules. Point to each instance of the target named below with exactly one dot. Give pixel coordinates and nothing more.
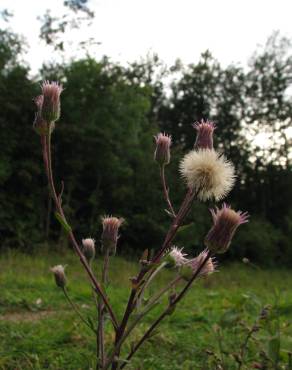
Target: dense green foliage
(206, 331)
(103, 148)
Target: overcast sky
(128, 29)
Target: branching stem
(151, 277)
(177, 222)
(46, 146)
(166, 190)
(167, 310)
(140, 316)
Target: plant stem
(178, 220)
(133, 324)
(166, 190)
(166, 312)
(182, 213)
(158, 295)
(151, 277)
(100, 328)
(72, 304)
(244, 347)
(46, 145)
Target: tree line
(103, 148)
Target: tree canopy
(103, 146)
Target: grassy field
(39, 331)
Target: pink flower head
(162, 151)
(191, 266)
(204, 139)
(226, 221)
(175, 258)
(110, 233)
(51, 92)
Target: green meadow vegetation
(208, 329)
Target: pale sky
(128, 29)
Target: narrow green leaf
(121, 360)
(185, 228)
(63, 223)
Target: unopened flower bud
(225, 223)
(88, 248)
(162, 151)
(51, 92)
(110, 233)
(175, 258)
(204, 139)
(41, 126)
(59, 273)
(189, 268)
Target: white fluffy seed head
(208, 173)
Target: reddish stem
(182, 213)
(166, 312)
(100, 330)
(46, 145)
(166, 191)
(184, 209)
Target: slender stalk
(138, 318)
(46, 144)
(243, 348)
(166, 312)
(151, 277)
(178, 220)
(182, 213)
(158, 295)
(129, 308)
(44, 152)
(72, 304)
(100, 329)
(96, 302)
(166, 190)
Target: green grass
(39, 331)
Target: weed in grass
(190, 341)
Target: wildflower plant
(208, 175)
